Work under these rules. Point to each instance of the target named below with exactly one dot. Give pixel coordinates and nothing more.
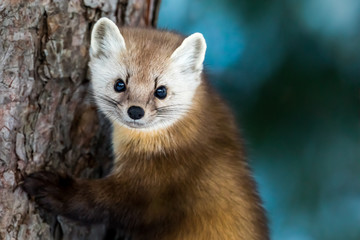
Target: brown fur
(189, 181)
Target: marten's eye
(160, 92)
(119, 86)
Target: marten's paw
(50, 190)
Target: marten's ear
(106, 39)
(189, 56)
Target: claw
(49, 189)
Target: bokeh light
(291, 72)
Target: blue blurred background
(291, 71)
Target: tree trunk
(47, 119)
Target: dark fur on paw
(50, 190)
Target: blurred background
(291, 72)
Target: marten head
(144, 78)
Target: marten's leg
(106, 200)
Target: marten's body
(179, 171)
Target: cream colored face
(129, 72)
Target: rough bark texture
(47, 119)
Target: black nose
(136, 112)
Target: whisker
(105, 98)
(108, 99)
(175, 106)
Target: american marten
(180, 172)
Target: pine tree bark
(47, 119)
